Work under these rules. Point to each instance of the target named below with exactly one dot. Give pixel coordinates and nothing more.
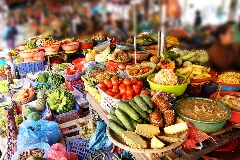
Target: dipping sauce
(202, 110)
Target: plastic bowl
(86, 45)
(72, 46)
(177, 90)
(78, 63)
(102, 46)
(23, 54)
(205, 126)
(52, 48)
(73, 77)
(235, 117)
(124, 46)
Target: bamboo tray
(116, 140)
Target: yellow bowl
(177, 90)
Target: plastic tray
(79, 146)
(80, 94)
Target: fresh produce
(139, 110)
(142, 69)
(24, 95)
(166, 77)
(115, 127)
(125, 119)
(156, 143)
(42, 78)
(28, 110)
(119, 55)
(148, 100)
(41, 101)
(60, 101)
(55, 79)
(144, 37)
(88, 129)
(122, 88)
(197, 71)
(31, 152)
(33, 116)
(176, 128)
(172, 41)
(133, 140)
(128, 109)
(141, 103)
(61, 67)
(169, 139)
(114, 118)
(1, 68)
(112, 110)
(147, 130)
(103, 57)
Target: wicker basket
(79, 146)
(68, 116)
(140, 57)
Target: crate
(74, 77)
(79, 146)
(70, 130)
(68, 116)
(79, 94)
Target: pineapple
(40, 104)
(176, 128)
(169, 139)
(156, 143)
(133, 140)
(147, 130)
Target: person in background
(223, 54)
(198, 20)
(236, 31)
(142, 24)
(9, 35)
(109, 19)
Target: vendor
(223, 54)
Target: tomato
(140, 83)
(136, 87)
(124, 97)
(115, 86)
(106, 81)
(102, 85)
(130, 97)
(104, 89)
(137, 91)
(145, 91)
(129, 87)
(130, 92)
(122, 86)
(134, 81)
(114, 80)
(115, 90)
(122, 91)
(117, 96)
(109, 84)
(109, 92)
(127, 81)
(120, 81)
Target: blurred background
(191, 21)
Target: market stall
(123, 100)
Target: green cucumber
(149, 111)
(125, 119)
(140, 120)
(112, 110)
(148, 100)
(114, 118)
(134, 123)
(128, 110)
(141, 103)
(187, 56)
(139, 110)
(115, 127)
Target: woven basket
(140, 57)
(68, 116)
(79, 146)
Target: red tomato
(127, 81)
(145, 91)
(122, 91)
(115, 86)
(129, 87)
(109, 92)
(137, 91)
(109, 84)
(117, 96)
(104, 89)
(140, 83)
(124, 97)
(122, 86)
(134, 81)
(130, 97)
(130, 92)
(114, 80)
(120, 81)
(106, 81)
(136, 87)
(102, 85)
(115, 90)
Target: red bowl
(86, 45)
(72, 46)
(78, 63)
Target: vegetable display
(24, 95)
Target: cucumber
(140, 120)
(134, 123)
(128, 110)
(141, 103)
(149, 111)
(125, 119)
(114, 118)
(148, 100)
(115, 127)
(112, 110)
(139, 110)
(187, 56)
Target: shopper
(9, 35)
(223, 54)
(198, 20)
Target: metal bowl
(205, 126)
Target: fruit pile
(24, 95)
(31, 113)
(122, 88)
(54, 79)
(60, 101)
(41, 101)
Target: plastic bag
(43, 146)
(31, 132)
(58, 151)
(99, 140)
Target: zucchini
(125, 119)
(139, 110)
(141, 103)
(115, 127)
(128, 110)
(112, 110)
(148, 100)
(114, 118)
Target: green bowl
(205, 126)
(177, 90)
(152, 65)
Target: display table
(225, 135)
